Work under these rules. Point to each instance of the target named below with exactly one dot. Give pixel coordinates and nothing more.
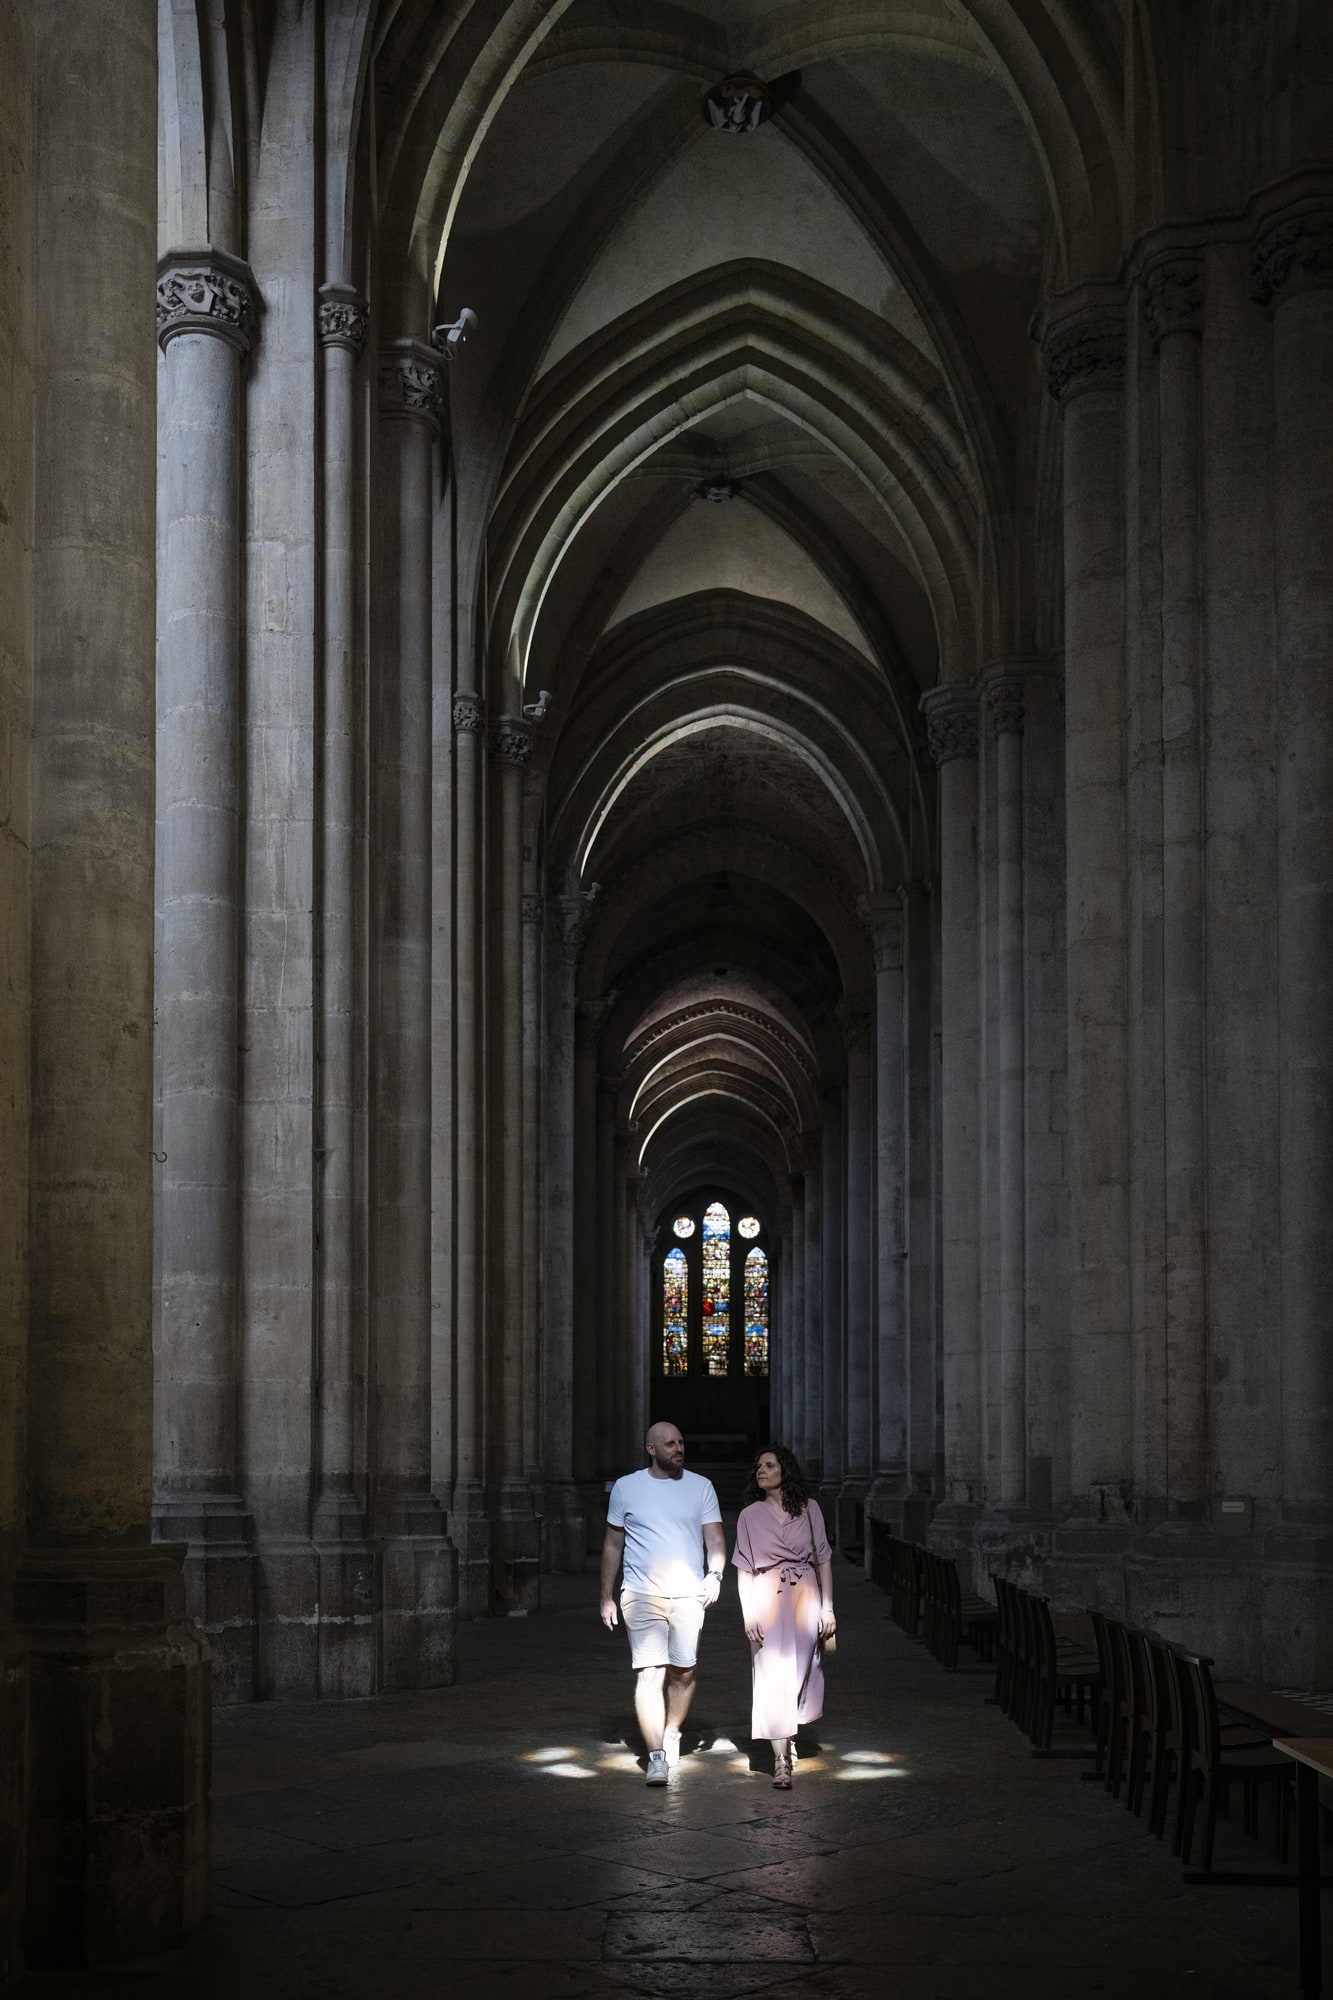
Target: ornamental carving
(570, 919)
(1005, 694)
(1173, 297)
(344, 318)
(532, 909)
(410, 384)
(951, 723)
(1084, 351)
(206, 291)
(469, 713)
(512, 742)
(1293, 254)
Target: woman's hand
(755, 1634)
(827, 1622)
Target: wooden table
(1313, 1757)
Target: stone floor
(497, 1838)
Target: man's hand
(712, 1588)
(610, 1616)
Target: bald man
(665, 1525)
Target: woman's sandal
(782, 1774)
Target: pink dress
(777, 1550)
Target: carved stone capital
(512, 741)
(856, 1026)
(882, 916)
(207, 291)
(344, 318)
(1083, 347)
(411, 383)
(1173, 295)
(951, 722)
(1293, 248)
(533, 909)
(469, 713)
(570, 918)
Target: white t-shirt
(663, 1521)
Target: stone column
(206, 324)
(951, 718)
(468, 1524)
(1003, 686)
(1084, 346)
(1292, 275)
(564, 1531)
(920, 1266)
(515, 1554)
(1173, 304)
(810, 1428)
(832, 1331)
(883, 916)
(346, 1638)
(859, 1379)
(604, 1251)
(417, 1562)
(112, 1753)
(585, 1284)
(534, 920)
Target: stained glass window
(683, 1225)
(675, 1300)
(748, 1225)
(756, 1313)
(717, 1289)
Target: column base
(116, 1762)
(592, 1500)
(851, 1513)
(221, 1583)
(515, 1555)
(470, 1532)
(418, 1567)
(347, 1645)
(564, 1531)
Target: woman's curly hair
(795, 1492)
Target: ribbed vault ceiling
(747, 455)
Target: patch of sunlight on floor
(623, 1760)
(875, 1771)
(867, 1757)
(559, 1756)
(567, 1771)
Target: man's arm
(715, 1556)
(613, 1548)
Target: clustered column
(1292, 274)
(206, 325)
(951, 718)
(418, 1576)
(883, 916)
(1003, 686)
(1173, 306)
(1085, 371)
(469, 1528)
(339, 1524)
(111, 1773)
(515, 1564)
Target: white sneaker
(658, 1773)
(671, 1747)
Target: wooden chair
(881, 1554)
(1168, 1752)
(1209, 1765)
(1006, 1642)
(1058, 1674)
(960, 1616)
(1106, 1703)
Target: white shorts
(663, 1631)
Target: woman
(785, 1570)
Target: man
(666, 1526)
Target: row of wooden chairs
(1162, 1726)
(1037, 1669)
(927, 1599)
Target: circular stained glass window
(749, 1225)
(683, 1225)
